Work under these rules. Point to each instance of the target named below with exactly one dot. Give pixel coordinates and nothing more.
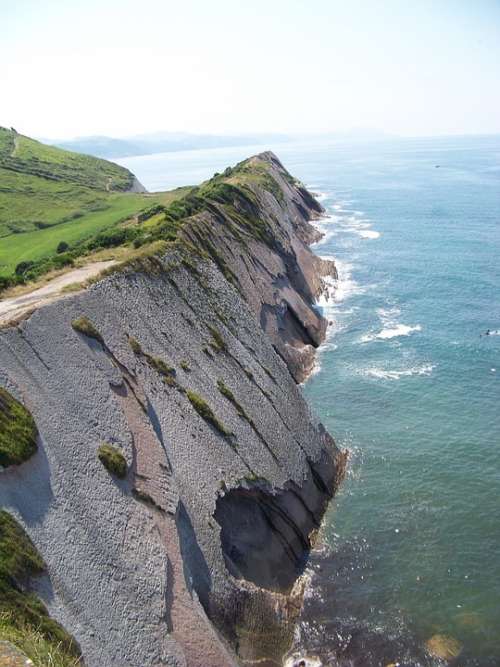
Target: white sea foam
(393, 331)
(383, 374)
(388, 314)
(369, 234)
(341, 289)
(354, 223)
(325, 226)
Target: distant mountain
(104, 147)
(161, 142)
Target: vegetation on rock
(167, 372)
(227, 393)
(18, 432)
(206, 412)
(218, 343)
(135, 345)
(84, 325)
(113, 460)
(24, 619)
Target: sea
(407, 568)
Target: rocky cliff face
(277, 274)
(190, 371)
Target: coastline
(264, 456)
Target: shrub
(227, 393)
(135, 345)
(113, 460)
(167, 372)
(6, 282)
(23, 267)
(85, 326)
(206, 412)
(160, 366)
(185, 366)
(62, 247)
(18, 432)
(40, 649)
(218, 343)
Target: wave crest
(391, 332)
(382, 374)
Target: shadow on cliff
(27, 489)
(196, 572)
(266, 533)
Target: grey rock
(206, 524)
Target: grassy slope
(48, 195)
(23, 617)
(42, 243)
(27, 156)
(18, 431)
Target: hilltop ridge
(24, 155)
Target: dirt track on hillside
(17, 306)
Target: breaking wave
(391, 332)
(369, 234)
(382, 374)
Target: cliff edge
(183, 365)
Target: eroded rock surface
(216, 515)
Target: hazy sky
(120, 67)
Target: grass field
(35, 245)
(28, 203)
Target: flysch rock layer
(207, 525)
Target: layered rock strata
(195, 558)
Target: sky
(118, 68)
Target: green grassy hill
(50, 196)
(42, 186)
(27, 156)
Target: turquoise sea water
(407, 383)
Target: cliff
(185, 362)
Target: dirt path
(16, 145)
(11, 309)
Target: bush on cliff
(167, 372)
(18, 432)
(227, 393)
(206, 412)
(113, 460)
(84, 325)
(135, 345)
(218, 343)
